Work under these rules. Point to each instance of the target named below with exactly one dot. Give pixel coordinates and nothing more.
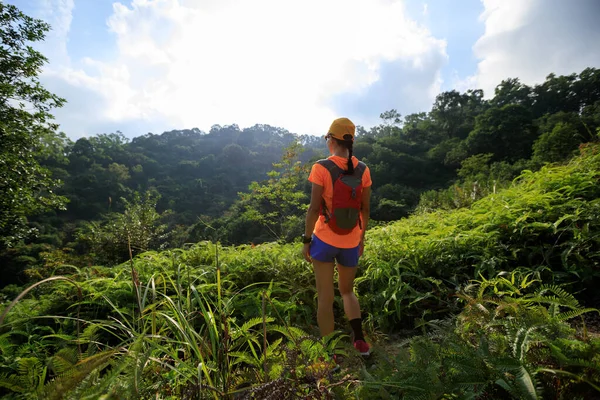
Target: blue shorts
(324, 252)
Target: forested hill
(196, 173)
(82, 202)
(188, 185)
(475, 280)
(200, 173)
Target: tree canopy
(25, 121)
(249, 184)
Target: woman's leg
(352, 308)
(346, 286)
(324, 280)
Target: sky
(140, 66)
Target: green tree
(587, 87)
(475, 168)
(273, 209)
(25, 187)
(507, 132)
(391, 117)
(118, 172)
(454, 113)
(557, 145)
(512, 91)
(563, 132)
(138, 226)
(419, 129)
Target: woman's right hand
(306, 252)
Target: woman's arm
(312, 215)
(365, 212)
(365, 209)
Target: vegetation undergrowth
(510, 341)
(207, 321)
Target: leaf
(526, 384)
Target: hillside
(168, 265)
(202, 185)
(486, 286)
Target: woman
(325, 243)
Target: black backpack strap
(360, 169)
(333, 169)
(335, 173)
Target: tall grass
(209, 321)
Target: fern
(74, 376)
(63, 361)
(526, 384)
(245, 328)
(520, 343)
(118, 380)
(13, 383)
(567, 315)
(565, 298)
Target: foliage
(193, 320)
(546, 221)
(479, 178)
(206, 178)
(471, 181)
(507, 133)
(272, 210)
(26, 188)
(137, 229)
(557, 145)
(562, 133)
(504, 344)
(184, 337)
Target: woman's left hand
(306, 252)
(362, 247)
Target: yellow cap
(342, 129)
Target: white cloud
(184, 63)
(59, 13)
(529, 39)
(405, 85)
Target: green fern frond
(273, 347)
(473, 393)
(5, 344)
(63, 361)
(118, 381)
(67, 382)
(527, 385)
(520, 343)
(13, 383)
(240, 357)
(593, 384)
(553, 301)
(245, 328)
(474, 303)
(575, 313)
(506, 386)
(510, 306)
(562, 297)
(580, 362)
(558, 354)
(506, 364)
(32, 371)
(290, 332)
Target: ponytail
(347, 143)
(350, 170)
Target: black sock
(356, 325)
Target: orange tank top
(321, 176)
